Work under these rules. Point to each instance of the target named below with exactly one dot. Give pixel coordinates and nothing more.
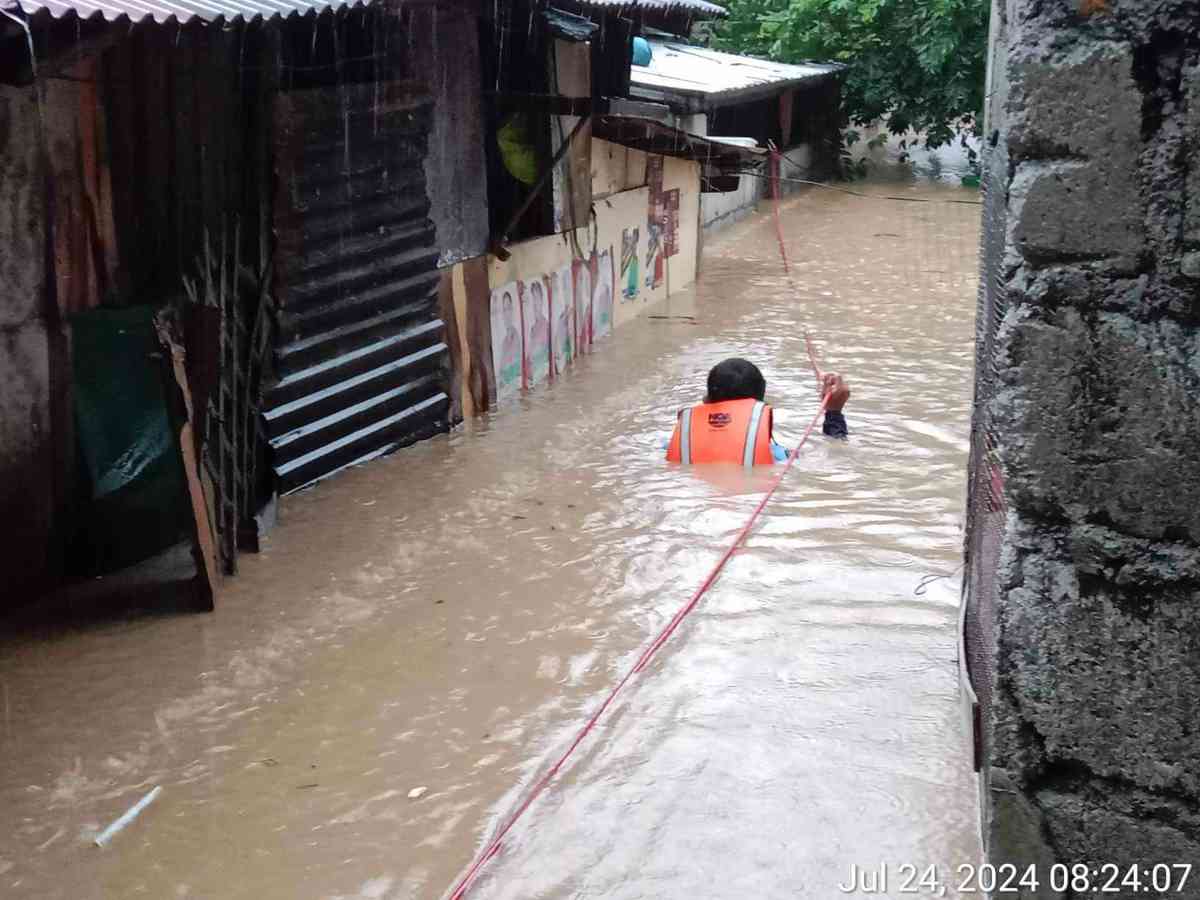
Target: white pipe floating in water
(132, 813)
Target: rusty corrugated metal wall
(361, 355)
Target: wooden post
(204, 550)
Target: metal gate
(985, 498)
(360, 356)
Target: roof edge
(168, 12)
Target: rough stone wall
(1094, 175)
(26, 453)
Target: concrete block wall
(1093, 176)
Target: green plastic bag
(517, 149)
(133, 496)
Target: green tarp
(133, 498)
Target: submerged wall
(583, 283)
(621, 217)
(1089, 390)
(803, 161)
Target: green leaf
(920, 61)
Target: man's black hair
(735, 379)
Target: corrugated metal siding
(361, 355)
(181, 11)
(699, 8)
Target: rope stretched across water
(841, 190)
(776, 168)
(494, 846)
(464, 885)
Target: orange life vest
(734, 431)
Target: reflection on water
(444, 618)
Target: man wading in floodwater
(733, 424)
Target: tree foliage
(920, 63)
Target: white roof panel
(683, 69)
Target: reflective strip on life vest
(752, 434)
(685, 437)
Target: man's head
(735, 379)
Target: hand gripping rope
(494, 846)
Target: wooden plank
(449, 315)
(118, 98)
(106, 223)
(469, 402)
(60, 122)
(481, 374)
(96, 184)
(204, 549)
(573, 175)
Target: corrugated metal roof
(684, 70)
(697, 8)
(173, 10)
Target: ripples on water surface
(444, 618)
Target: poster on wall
(654, 257)
(506, 339)
(583, 306)
(629, 264)
(670, 223)
(602, 294)
(654, 222)
(535, 322)
(654, 180)
(562, 320)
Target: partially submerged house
(250, 243)
(262, 171)
(795, 108)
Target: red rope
(776, 163)
(776, 166)
(664, 635)
(493, 848)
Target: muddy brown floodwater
(444, 618)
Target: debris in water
(417, 793)
(132, 813)
(54, 837)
